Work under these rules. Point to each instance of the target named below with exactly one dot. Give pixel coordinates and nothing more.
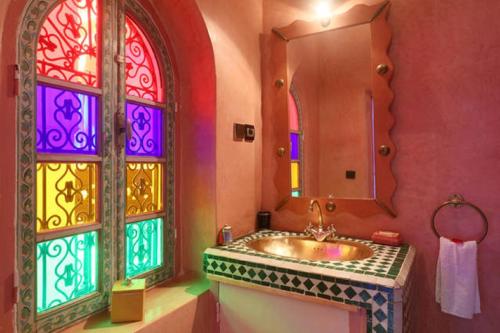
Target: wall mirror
(332, 96)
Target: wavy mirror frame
(382, 70)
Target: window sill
(168, 304)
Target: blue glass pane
(295, 194)
(66, 121)
(147, 126)
(66, 269)
(294, 144)
(144, 246)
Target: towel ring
(457, 200)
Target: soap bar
(127, 300)
(387, 238)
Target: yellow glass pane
(66, 195)
(144, 188)
(295, 174)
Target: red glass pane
(142, 69)
(293, 113)
(68, 44)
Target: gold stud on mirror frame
(384, 150)
(330, 206)
(279, 83)
(382, 69)
(281, 151)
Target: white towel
(456, 278)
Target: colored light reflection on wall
(66, 269)
(147, 129)
(144, 188)
(66, 195)
(68, 44)
(295, 175)
(144, 246)
(66, 121)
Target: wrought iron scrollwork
(142, 70)
(67, 44)
(66, 195)
(147, 129)
(144, 246)
(67, 269)
(144, 188)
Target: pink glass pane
(142, 69)
(293, 114)
(68, 43)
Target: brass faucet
(319, 233)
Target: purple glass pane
(66, 121)
(294, 149)
(147, 125)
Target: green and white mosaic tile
(371, 284)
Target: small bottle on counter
(226, 235)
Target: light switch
(249, 132)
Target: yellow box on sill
(127, 300)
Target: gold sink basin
(309, 249)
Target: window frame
(112, 185)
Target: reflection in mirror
(331, 114)
(296, 139)
(334, 94)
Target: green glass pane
(66, 269)
(144, 246)
(295, 194)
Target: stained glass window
(144, 246)
(144, 188)
(295, 130)
(295, 175)
(294, 144)
(142, 69)
(293, 113)
(68, 43)
(144, 154)
(66, 195)
(66, 269)
(147, 130)
(74, 189)
(66, 121)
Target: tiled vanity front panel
(364, 283)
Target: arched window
(96, 166)
(296, 137)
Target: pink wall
(446, 86)
(192, 56)
(234, 28)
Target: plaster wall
(234, 28)
(446, 82)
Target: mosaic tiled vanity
(380, 284)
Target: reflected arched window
(296, 136)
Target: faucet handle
(332, 231)
(307, 230)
